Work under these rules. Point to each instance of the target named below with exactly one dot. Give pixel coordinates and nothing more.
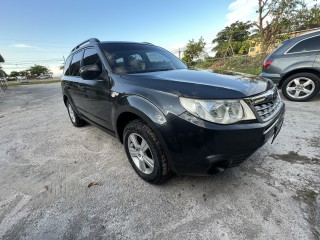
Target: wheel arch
(65, 99)
(300, 70)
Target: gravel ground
(62, 182)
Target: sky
(44, 32)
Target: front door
(95, 101)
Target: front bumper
(197, 147)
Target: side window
(66, 69)
(75, 64)
(91, 57)
(310, 44)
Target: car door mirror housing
(90, 72)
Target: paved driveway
(46, 166)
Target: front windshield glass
(126, 58)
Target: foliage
(37, 70)
(194, 51)
(233, 39)
(14, 74)
(245, 64)
(304, 18)
(273, 18)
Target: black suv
(295, 67)
(169, 118)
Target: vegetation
(276, 20)
(194, 51)
(45, 81)
(31, 72)
(233, 39)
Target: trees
(37, 70)
(14, 74)
(233, 39)
(194, 50)
(273, 18)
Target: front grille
(267, 105)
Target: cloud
(242, 10)
(21, 45)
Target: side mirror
(90, 72)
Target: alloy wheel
(140, 153)
(301, 87)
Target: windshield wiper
(162, 69)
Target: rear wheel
(301, 87)
(145, 152)
(75, 119)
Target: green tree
(14, 74)
(305, 18)
(36, 70)
(194, 51)
(22, 73)
(273, 18)
(233, 39)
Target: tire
(74, 118)
(135, 133)
(301, 87)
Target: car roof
(125, 42)
(90, 42)
(306, 35)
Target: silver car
(295, 67)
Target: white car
(44, 76)
(22, 79)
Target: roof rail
(91, 40)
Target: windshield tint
(126, 58)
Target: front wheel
(145, 152)
(301, 87)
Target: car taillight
(267, 63)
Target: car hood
(201, 84)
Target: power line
(11, 39)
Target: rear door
(95, 93)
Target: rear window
(75, 64)
(310, 44)
(66, 69)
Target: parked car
(22, 79)
(11, 78)
(44, 76)
(169, 118)
(295, 67)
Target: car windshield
(126, 58)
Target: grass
(35, 81)
(243, 63)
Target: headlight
(218, 111)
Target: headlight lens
(218, 111)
